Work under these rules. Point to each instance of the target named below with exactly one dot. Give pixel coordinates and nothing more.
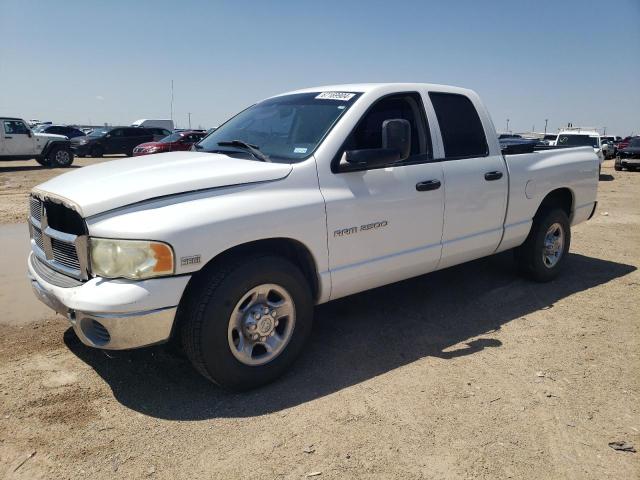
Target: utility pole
(545, 125)
(507, 125)
(189, 113)
(172, 100)
(604, 131)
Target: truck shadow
(355, 339)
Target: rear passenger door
(134, 137)
(115, 141)
(476, 181)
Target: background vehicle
(300, 199)
(146, 122)
(69, 132)
(578, 137)
(609, 145)
(158, 133)
(18, 141)
(629, 156)
(175, 142)
(110, 140)
(550, 138)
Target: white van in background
(149, 123)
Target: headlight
(134, 259)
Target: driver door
(384, 223)
(18, 139)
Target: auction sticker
(341, 96)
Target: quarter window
(462, 132)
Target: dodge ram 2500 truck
(300, 199)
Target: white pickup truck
(300, 199)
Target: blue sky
(113, 61)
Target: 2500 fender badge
(343, 232)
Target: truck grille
(58, 237)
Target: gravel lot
(471, 372)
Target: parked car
(609, 145)
(624, 143)
(18, 141)
(110, 140)
(581, 138)
(175, 142)
(149, 123)
(299, 199)
(69, 132)
(629, 157)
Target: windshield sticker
(299, 150)
(341, 96)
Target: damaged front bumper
(114, 314)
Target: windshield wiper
(252, 149)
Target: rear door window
(462, 132)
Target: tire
(97, 151)
(212, 334)
(531, 255)
(60, 157)
(617, 167)
(43, 161)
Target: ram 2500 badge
(300, 199)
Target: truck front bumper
(115, 314)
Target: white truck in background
(579, 137)
(300, 199)
(149, 123)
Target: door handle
(492, 176)
(428, 185)
(8, 138)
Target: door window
(118, 132)
(407, 106)
(15, 127)
(462, 132)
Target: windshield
(550, 137)
(287, 128)
(577, 141)
(635, 143)
(174, 137)
(98, 132)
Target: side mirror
(396, 135)
(396, 147)
(29, 133)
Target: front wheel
(544, 251)
(60, 157)
(245, 322)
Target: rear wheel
(244, 323)
(97, 151)
(543, 253)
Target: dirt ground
(471, 372)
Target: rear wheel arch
(561, 198)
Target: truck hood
(117, 183)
